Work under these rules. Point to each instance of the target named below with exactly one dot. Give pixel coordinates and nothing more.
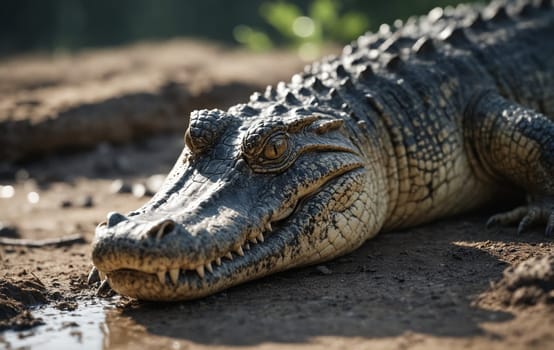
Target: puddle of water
(83, 328)
(94, 325)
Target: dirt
(16, 297)
(448, 284)
(60, 102)
(530, 282)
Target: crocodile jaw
(304, 237)
(248, 197)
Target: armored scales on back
(410, 124)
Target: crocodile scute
(410, 124)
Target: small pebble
(66, 203)
(120, 186)
(86, 201)
(324, 270)
(66, 306)
(68, 324)
(8, 231)
(139, 190)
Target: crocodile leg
(515, 145)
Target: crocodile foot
(538, 210)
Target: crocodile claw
(533, 214)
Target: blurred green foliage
(54, 25)
(308, 31)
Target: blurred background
(95, 97)
(75, 73)
(68, 25)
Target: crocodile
(428, 118)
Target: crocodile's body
(433, 119)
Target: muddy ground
(449, 284)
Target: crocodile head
(254, 192)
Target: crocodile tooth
(218, 261)
(247, 246)
(287, 211)
(102, 275)
(174, 275)
(268, 226)
(239, 251)
(209, 267)
(104, 288)
(229, 256)
(261, 237)
(200, 271)
(161, 276)
(253, 240)
(93, 276)
(160, 233)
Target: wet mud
(449, 284)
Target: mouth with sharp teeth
(176, 276)
(140, 273)
(235, 265)
(282, 240)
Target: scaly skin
(401, 129)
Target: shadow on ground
(423, 280)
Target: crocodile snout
(156, 231)
(235, 210)
(114, 218)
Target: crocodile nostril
(162, 229)
(115, 218)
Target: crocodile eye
(275, 147)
